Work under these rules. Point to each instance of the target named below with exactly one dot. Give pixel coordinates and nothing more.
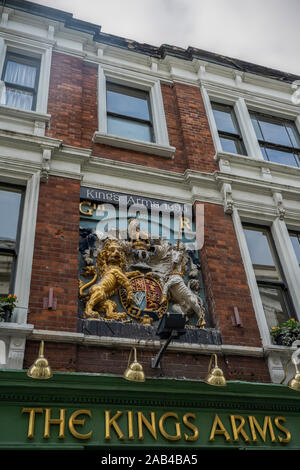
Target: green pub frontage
(74, 411)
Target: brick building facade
(205, 151)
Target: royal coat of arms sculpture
(139, 279)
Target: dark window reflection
(268, 272)
(128, 112)
(10, 209)
(228, 128)
(278, 138)
(295, 239)
(9, 216)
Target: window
(10, 210)
(270, 279)
(295, 239)
(228, 129)
(131, 112)
(128, 112)
(21, 76)
(278, 139)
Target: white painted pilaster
(102, 122)
(288, 260)
(25, 257)
(247, 131)
(211, 120)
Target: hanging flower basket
(7, 305)
(286, 333)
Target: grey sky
(265, 32)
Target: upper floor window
(10, 216)
(228, 129)
(269, 275)
(278, 139)
(128, 112)
(131, 113)
(21, 77)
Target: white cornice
(169, 68)
(151, 345)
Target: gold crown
(141, 244)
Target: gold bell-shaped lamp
(294, 383)
(215, 375)
(134, 371)
(40, 369)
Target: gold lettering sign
(136, 425)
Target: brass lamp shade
(294, 383)
(134, 371)
(215, 376)
(40, 369)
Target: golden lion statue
(111, 266)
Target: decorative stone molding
(227, 198)
(46, 159)
(278, 199)
(13, 336)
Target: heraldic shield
(147, 303)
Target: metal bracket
(155, 361)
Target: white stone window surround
(241, 104)
(160, 146)
(39, 116)
(14, 333)
(277, 355)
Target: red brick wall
(55, 261)
(73, 107)
(225, 279)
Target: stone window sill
(24, 114)
(152, 148)
(256, 162)
(21, 120)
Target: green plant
(7, 305)
(286, 333)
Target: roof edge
(160, 52)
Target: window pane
(279, 156)
(274, 132)
(224, 120)
(20, 74)
(18, 98)
(129, 129)
(275, 308)
(295, 239)
(6, 261)
(256, 127)
(229, 145)
(258, 245)
(9, 217)
(293, 134)
(127, 102)
(261, 254)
